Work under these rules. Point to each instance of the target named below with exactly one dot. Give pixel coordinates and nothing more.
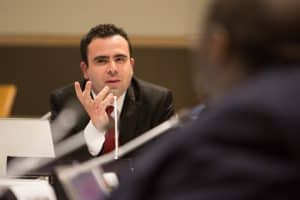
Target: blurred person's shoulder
(270, 89)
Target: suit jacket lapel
(128, 118)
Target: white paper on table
(24, 137)
(27, 189)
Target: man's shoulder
(149, 88)
(266, 101)
(66, 91)
(270, 88)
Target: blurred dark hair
(261, 32)
(101, 31)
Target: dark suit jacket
(247, 147)
(145, 106)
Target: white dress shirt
(95, 138)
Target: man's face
(109, 64)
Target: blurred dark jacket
(247, 147)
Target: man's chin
(115, 91)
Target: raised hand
(95, 107)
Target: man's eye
(100, 61)
(121, 59)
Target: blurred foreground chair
(7, 97)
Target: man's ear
(219, 46)
(84, 68)
(132, 62)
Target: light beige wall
(69, 17)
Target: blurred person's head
(106, 58)
(241, 38)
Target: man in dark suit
(247, 143)
(107, 65)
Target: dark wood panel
(73, 40)
(38, 70)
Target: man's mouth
(112, 81)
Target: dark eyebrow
(100, 58)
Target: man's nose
(112, 67)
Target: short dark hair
(261, 32)
(101, 31)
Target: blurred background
(39, 44)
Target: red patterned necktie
(109, 143)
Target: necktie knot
(109, 109)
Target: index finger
(78, 90)
(102, 94)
